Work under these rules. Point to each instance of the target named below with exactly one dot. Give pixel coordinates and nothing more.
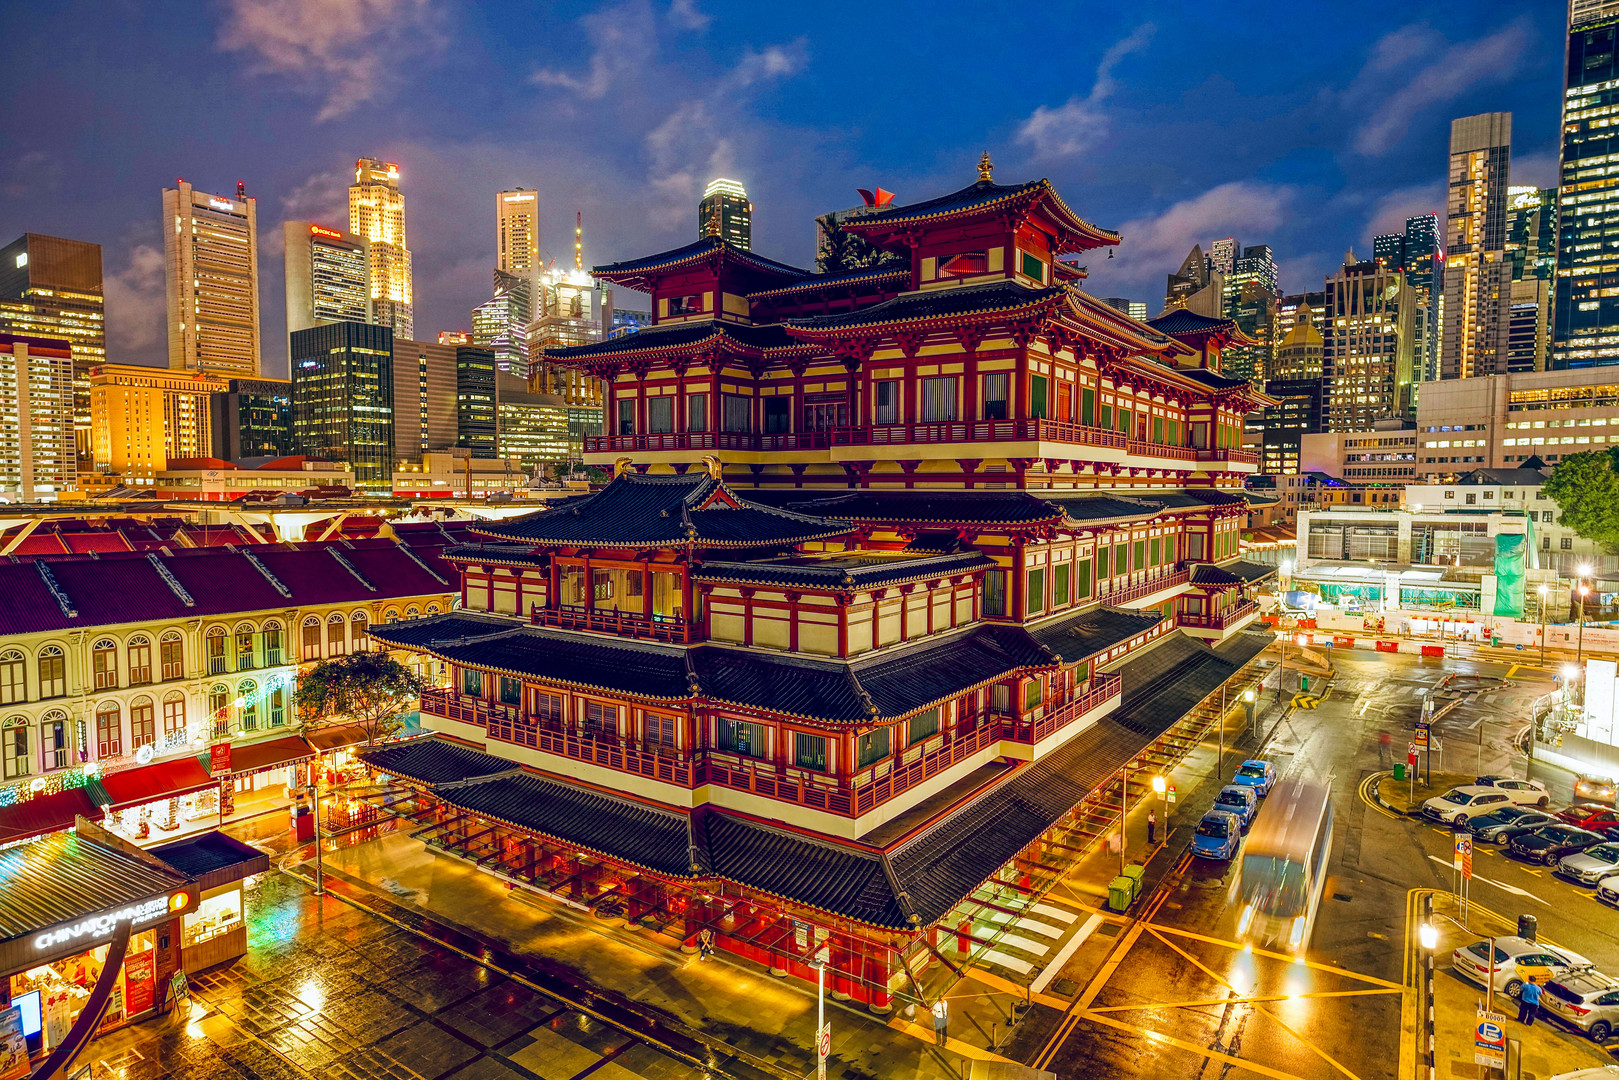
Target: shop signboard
(140, 981)
(13, 1045)
(70, 938)
(219, 759)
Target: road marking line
(1200, 1051)
(1023, 944)
(1007, 986)
(1054, 912)
(1513, 670)
(1252, 999)
(996, 957)
(1239, 947)
(1050, 971)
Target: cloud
(622, 41)
(684, 13)
(772, 62)
(137, 308)
(683, 152)
(1078, 124)
(1444, 72)
(1155, 245)
(353, 52)
(1539, 170)
(1390, 211)
(33, 173)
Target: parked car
(1256, 774)
(1516, 961)
(1595, 1072)
(1461, 803)
(1238, 800)
(1549, 843)
(1594, 787)
(1608, 891)
(1590, 816)
(1499, 826)
(1591, 865)
(1587, 1000)
(1217, 835)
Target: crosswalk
(1023, 947)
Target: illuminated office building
(51, 288)
(252, 418)
(726, 212)
(1424, 264)
(501, 323)
(1478, 269)
(475, 390)
(37, 457)
(424, 416)
(342, 399)
(211, 274)
(144, 416)
(1368, 344)
(328, 275)
(377, 215)
(533, 427)
(1532, 232)
(1585, 305)
(517, 225)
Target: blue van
(1239, 800)
(1217, 835)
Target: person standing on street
(1152, 826)
(1384, 741)
(1528, 1002)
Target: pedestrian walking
(1528, 1002)
(941, 1019)
(1384, 743)
(705, 944)
(1152, 826)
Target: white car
(1516, 961)
(1595, 1072)
(1523, 792)
(1461, 803)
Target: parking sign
(1490, 1040)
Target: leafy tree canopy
(366, 688)
(1585, 488)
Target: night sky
(1306, 126)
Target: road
(1177, 995)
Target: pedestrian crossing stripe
(1306, 701)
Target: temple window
(1060, 576)
(939, 398)
(660, 415)
(1037, 590)
(601, 720)
(1031, 695)
(1087, 406)
(660, 731)
(1032, 266)
(1037, 397)
(777, 415)
(995, 396)
(572, 581)
(691, 304)
(873, 746)
(668, 597)
(547, 707)
(626, 416)
(738, 412)
(1000, 699)
(924, 725)
(697, 412)
(511, 690)
(472, 682)
(739, 737)
(887, 398)
(995, 593)
(809, 751)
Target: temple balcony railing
(622, 623)
(707, 440)
(1143, 448)
(1123, 594)
(1059, 715)
(971, 431)
(1240, 457)
(1219, 620)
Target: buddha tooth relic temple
(908, 574)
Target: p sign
(1490, 1040)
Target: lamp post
(1543, 590)
(1428, 938)
(1584, 590)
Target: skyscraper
(424, 397)
(1299, 352)
(37, 457)
(51, 288)
(1366, 354)
(1424, 265)
(377, 215)
(1251, 299)
(475, 412)
(328, 276)
(1136, 309)
(1585, 309)
(1478, 271)
(211, 274)
(517, 227)
(342, 399)
(726, 212)
(1532, 232)
(1196, 287)
(1223, 255)
(252, 418)
(501, 323)
(1389, 249)
(144, 416)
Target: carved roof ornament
(986, 167)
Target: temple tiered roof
(985, 199)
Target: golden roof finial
(714, 227)
(986, 167)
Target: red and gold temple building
(899, 570)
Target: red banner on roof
(45, 814)
(163, 780)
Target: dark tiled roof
(1210, 574)
(845, 572)
(1153, 702)
(1248, 570)
(922, 675)
(1078, 637)
(982, 197)
(1094, 509)
(500, 554)
(818, 282)
(66, 877)
(1213, 379)
(1516, 477)
(935, 507)
(665, 511)
(835, 878)
(207, 854)
(455, 626)
(1190, 497)
(683, 335)
(433, 760)
(636, 832)
(1182, 321)
(601, 663)
(697, 251)
(994, 298)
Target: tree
(370, 689)
(1585, 488)
(846, 252)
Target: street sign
(1411, 751)
(1490, 1040)
(1422, 735)
(1171, 794)
(1463, 858)
(823, 1047)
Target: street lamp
(1543, 590)
(1584, 590)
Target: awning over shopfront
(213, 858)
(160, 780)
(45, 814)
(336, 738)
(274, 753)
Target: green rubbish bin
(1120, 891)
(1399, 770)
(1135, 872)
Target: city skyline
(1310, 171)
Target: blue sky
(1308, 126)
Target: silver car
(1587, 1000)
(1516, 961)
(1590, 866)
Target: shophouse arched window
(391, 615)
(311, 638)
(142, 723)
(273, 644)
(52, 672)
(219, 709)
(432, 609)
(15, 760)
(13, 677)
(244, 647)
(109, 741)
(248, 692)
(412, 612)
(215, 642)
(55, 746)
(360, 626)
(172, 655)
(174, 717)
(278, 706)
(336, 634)
(104, 664)
(140, 660)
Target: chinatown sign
(102, 925)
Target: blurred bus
(1284, 863)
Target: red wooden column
(646, 591)
(1015, 599)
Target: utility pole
(1543, 590)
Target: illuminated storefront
(214, 930)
